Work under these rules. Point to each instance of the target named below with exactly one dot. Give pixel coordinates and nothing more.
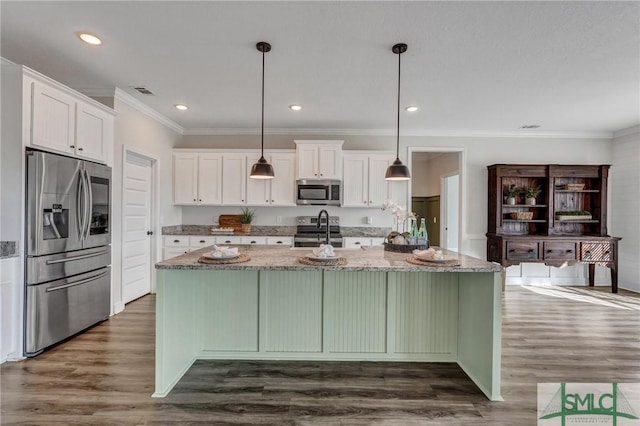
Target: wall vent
(143, 90)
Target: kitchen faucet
(318, 225)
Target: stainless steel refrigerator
(68, 252)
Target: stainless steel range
(308, 234)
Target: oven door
(62, 308)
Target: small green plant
(511, 191)
(532, 191)
(247, 215)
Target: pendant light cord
(398, 127)
(262, 125)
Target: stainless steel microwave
(318, 192)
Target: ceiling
(471, 67)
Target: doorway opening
(436, 193)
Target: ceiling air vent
(143, 90)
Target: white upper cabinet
(197, 179)
(71, 124)
(234, 181)
(94, 132)
(52, 119)
(364, 182)
(278, 191)
(319, 159)
(209, 179)
(283, 184)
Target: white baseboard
(118, 307)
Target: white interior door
(136, 242)
(450, 207)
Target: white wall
(426, 170)
(625, 206)
(143, 134)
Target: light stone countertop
(371, 259)
(281, 231)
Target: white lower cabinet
(281, 241)
(177, 245)
(9, 308)
(352, 242)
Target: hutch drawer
(559, 250)
(595, 251)
(522, 250)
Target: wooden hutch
(567, 223)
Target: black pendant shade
(398, 171)
(262, 169)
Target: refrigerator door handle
(75, 283)
(80, 205)
(89, 204)
(70, 259)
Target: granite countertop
(280, 231)
(9, 249)
(371, 259)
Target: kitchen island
(376, 307)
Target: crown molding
(230, 131)
(627, 131)
(98, 92)
(123, 96)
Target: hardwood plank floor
(105, 376)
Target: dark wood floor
(106, 375)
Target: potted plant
(531, 193)
(245, 219)
(511, 193)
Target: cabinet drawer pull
(176, 241)
(278, 242)
(357, 243)
(202, 241)
(228, 241)
(569, 251)
(253, 242)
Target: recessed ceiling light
(295, 107)
(89, 38)
(411, 108)
(181, 107)
(530, 126)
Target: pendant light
(262, 169)
(397, 170)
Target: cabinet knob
(72, 146)
(242, 201)
(321, 174)
(266, 201)
(80, 149)
(194, 199)
(365, 202)
(272, 201)
(199, 199)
